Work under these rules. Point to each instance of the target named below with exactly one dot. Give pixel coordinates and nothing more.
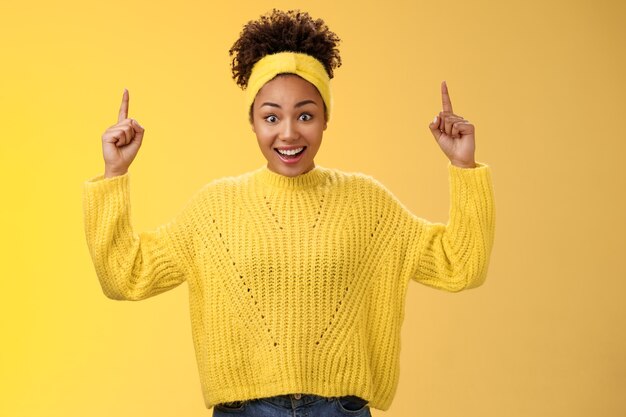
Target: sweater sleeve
(129, 265)
(452, 256)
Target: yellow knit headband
(304, 65)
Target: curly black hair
(282, 31)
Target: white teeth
(290, 152)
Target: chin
(290, 171)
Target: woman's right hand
(121, 142)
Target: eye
(305, 117)
(271, 118)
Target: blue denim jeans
(295, 405)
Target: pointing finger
(123, 107)
(445, 98)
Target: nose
(288, 131)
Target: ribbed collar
(310, 178)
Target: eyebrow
(299, 104)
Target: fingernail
(435, 119)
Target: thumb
(139, 130)
(434, 128)
(134, 145)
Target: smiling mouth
(287, 157)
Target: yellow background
(542, 81)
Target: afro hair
(282, 31)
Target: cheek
(258, 131)
(317, 133)
(264, 137)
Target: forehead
(288, 88)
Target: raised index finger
(445, 98)
(123, 107)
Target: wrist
(464, 164)
(109, 173)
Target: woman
(297, 273)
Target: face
(288, 115)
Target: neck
(311, 178)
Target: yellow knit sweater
(296, 284)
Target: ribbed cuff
(104, 198)
(470, 184)
(101, 177)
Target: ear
(251, 120)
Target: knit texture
(296, 284)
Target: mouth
(291, 158)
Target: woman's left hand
(453, 133)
